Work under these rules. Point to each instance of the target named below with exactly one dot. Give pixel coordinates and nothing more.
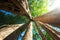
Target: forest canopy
(38, 7)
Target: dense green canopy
(38, 7)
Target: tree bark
(23, 6)
(6, 31)
(28, 34)
(52, 17)
(55, 35)
(12, 32)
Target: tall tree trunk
(52, 17)
(6, 31)
(55, 35)
(16, 6)
(12, 32)
(28, 34)
(40, 32)
(23, 7)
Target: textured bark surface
(11, 32)
(28, 34)
(14, 35)
(52, 17)
(6, 31)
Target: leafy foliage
(36, 35)
(12, 19)
(38, 7)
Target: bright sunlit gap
(53, 4)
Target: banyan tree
(21, 7)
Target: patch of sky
(52, 4)
(7, 13)
(56, 28)
(21, 36)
